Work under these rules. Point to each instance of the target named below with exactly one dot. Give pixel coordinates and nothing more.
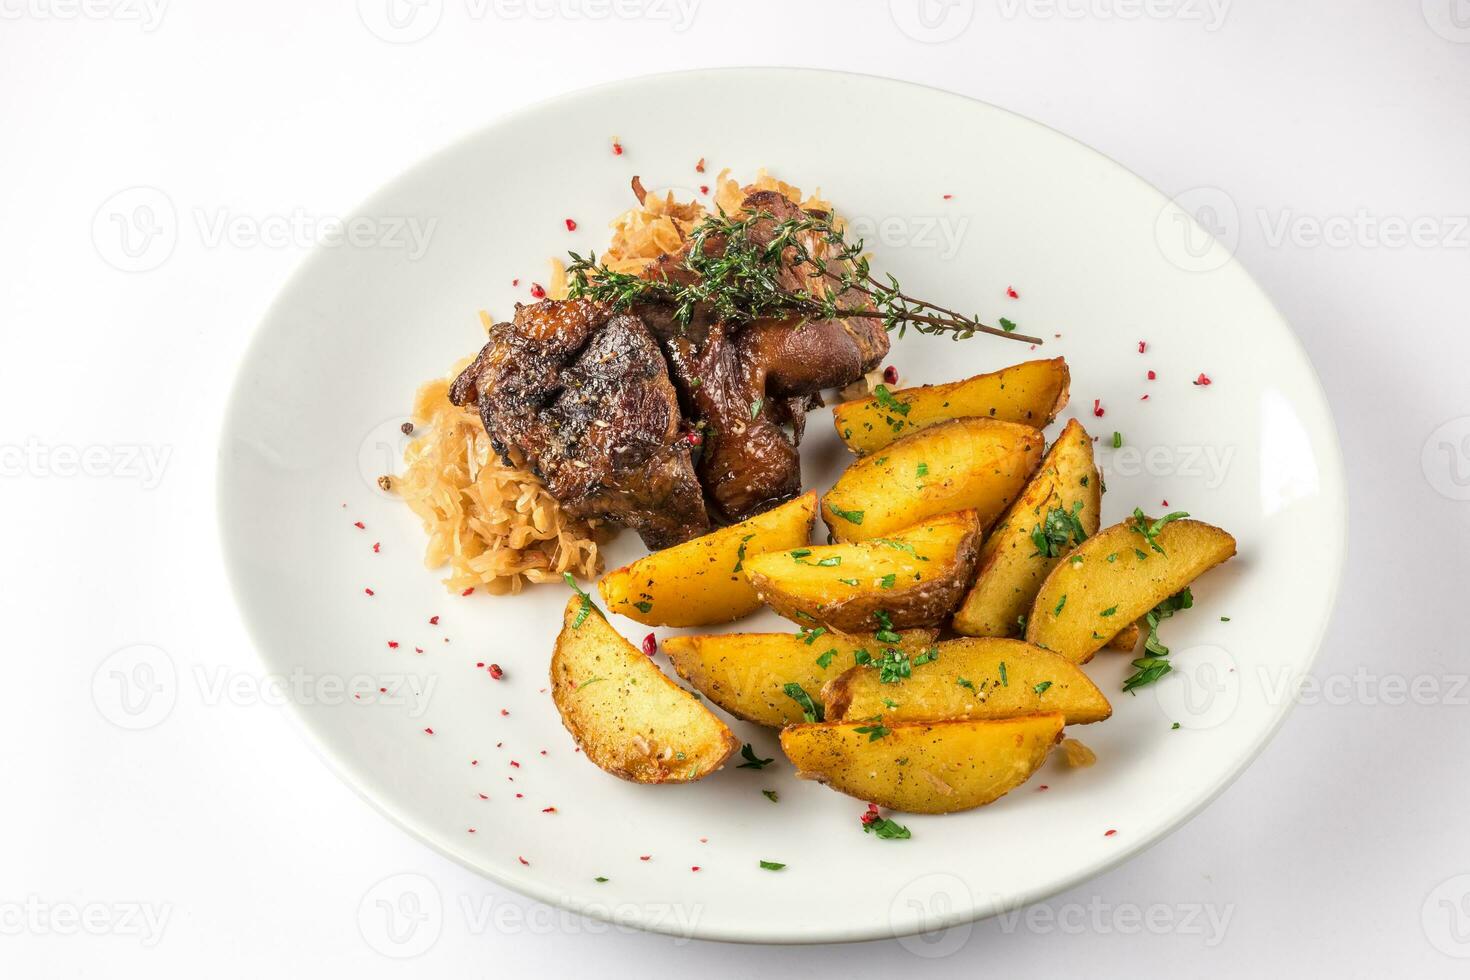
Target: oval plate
(1101, 261)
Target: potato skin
(967, 464)
(1035, 682)
(1011, 570)
(924, 767)
(1031, 393)
(746, 673)
(627, 717)
(1067, 616)
(701, 582)
(923, 592)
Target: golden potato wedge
(966, 464)
(747, 673)
(628, 718)
(914, 577)
(923, 767)
(1127, 640)
(975, 678)
(1031, 394)
(1062, 499)
(1118, 575)
(701, 582)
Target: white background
(1337, 853)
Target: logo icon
(1446, 917)
(1199, 230)
(135, 230)
(1446, 459)
(929, 904)
(1450, 19)
(1202, 690)
(136, 687)
(400, 21)
(401, 916)
(932, 21)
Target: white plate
(1097, 256)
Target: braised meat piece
(585, 397)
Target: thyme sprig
(741, 276)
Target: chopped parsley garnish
(921, 470)
(800, 553)
(771, 795)
(874, 731)
(1061, 604)
(889, 703)
(885, 399)
(1117, 440)
(740, 554)
(1007, 325)
(586, 609)
(849, 581)
(1004, 681)
(901, 546)
(643, 606)
(591, 680)
(886, 582)
(1149, 531)
(599, 879)
(1108, 611)
(1154, 663)
(1059, 531)
(832, 561)
(1041, 688)
(825, 660)
(809, 634)
(810, 710)
(1174, 727)
(755, 408)
(772, 865)
(851, 516)
(887, 829)
(962, 682)
(885, 633)
(752, 761)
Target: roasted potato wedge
(700, 582)
(1031, 394)
(966, 464)
(747, 673)
(628, 718)
(1062, 499)
(1116, 576)
(1127, 640)
(975, 678)
(914, 577)
(923, 767)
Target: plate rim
(1333, 488)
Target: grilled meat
(585, 396)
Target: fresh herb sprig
(1155, 660)
(742, 268)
